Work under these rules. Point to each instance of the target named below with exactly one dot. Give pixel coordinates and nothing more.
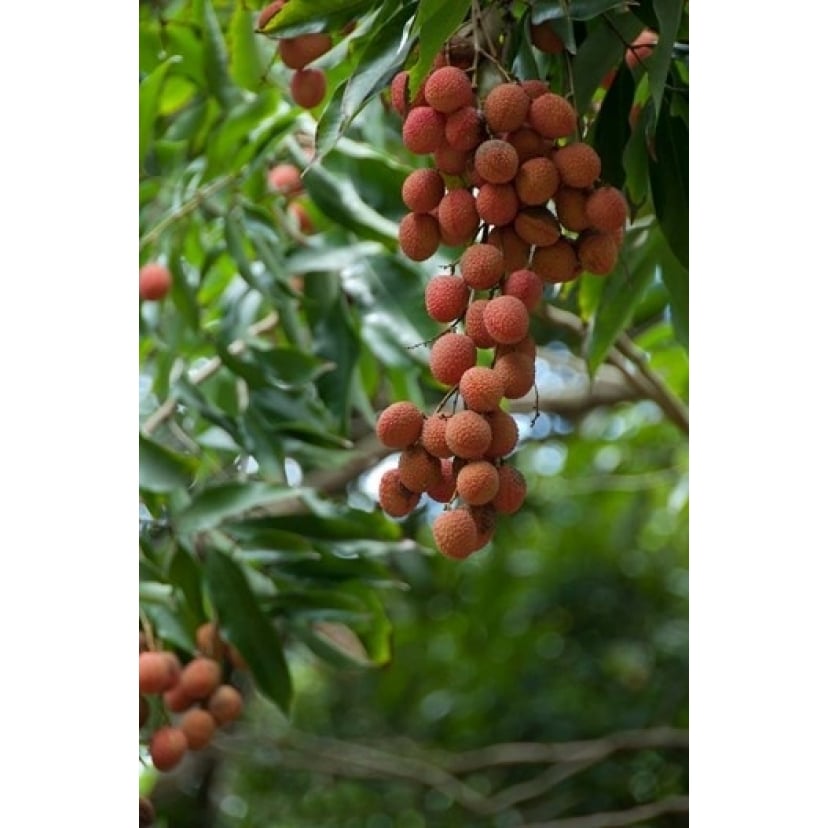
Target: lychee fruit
(475, 325)
(419, 236)
(154, 281)
(451, 161)
(399, 425)
(156, 672)
(606, 209)
(455, 533)
(481, 266)
(394, 498)
(597, 252)
(557, 263)
(176, 699)
(526, 285)
(443, 492)
(534, 88)
(468, 435)
(268, 12)
(200, 677)
(298, 52)
(422, 190)
(504, 433)
(481, 388)
(527, 143)
(308, 87)
(496, 161)
(511, 492)
(497, 204)
(423, 130)
(579, 165)
(433, 437)
(506, 319)
(545, 38)
(285, 179)
(552, 116)
(198, 727)
(478, 482)
(465, 129)
(446, 298)
(209, 641)
(537, 226)
(448, 89)
(167, 747)
(451, 356)
(457, 215)
(536, 181)
(418, 469)
(506, 107)
(570, 207)
(515, 250)
(517, 373)
(225, 704)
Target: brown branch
(167, 408)
(615, 819)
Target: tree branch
(614, 819)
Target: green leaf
(612, 129)
(213, 505)
(318, 259)
(300, 16)
(658, 65)
(292, 366)
(163, 470)
(215, 58)
(245, 66)
(574, 10)
(185, 573)
(676, 280)
(244, 625)
(435, 23)
(338, 199)
(329, 128)
(670, 185)
(624, 288)
(149, 94)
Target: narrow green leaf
(612, 129)
(329, 128)
(215, 58)
(213, 505)
(658, 65)
(163, 470)
(292, 366)
(246, 68)
(185, 573)
(149, 94)
(234, 237)
(300, 16)
(670, 184)
(244, 625)
(574, 10)
(313, 259)
(435, 23)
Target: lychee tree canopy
(262, 372)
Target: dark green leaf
(149, 94)
(215, 58)
(300, 16)
(658, 65)
(245, 66)
(213, 505)
(244, 625)
(329, 128)
(313, 259)
(612, 129)
(435, 23)
(185, 573)
(574, 10)
(292, 366)
(669, 183)
(163, 470)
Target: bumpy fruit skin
(552, 116)
(422, 190)
(399, 95)
(457, 215)
(394, 498)
(515, 250)
(506, 107)
(200, 677)
(451, 356)
(536, 181)
(167, 747)
(433, 437)
(641, 49)
(451, 161)
(198, 727)
(443, 492)
(448, 89)
(225, 704)
(534, 88)
(546, 39)
(481, 388)
(497, 204)
(446, 298)
(423, 130)
(526, 285)
(606, 209)
(285, 179)
(537, 226)
(557, 263)
(527, 142)
(497, 161)
(512, 491)
(476, 326)
(570, 207)
(455, 533)
(154, 281)
(481, 266)
(504, 433)
(419, 236)
(465, 129)
(578, 164)
(517, 373)
(298, 52)
(485, 519)
(418, 469)
(506, 319)
(399, 425)
(478, 482)
(597, 253)
(308, 87)
(468, 435)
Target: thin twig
(616, 819)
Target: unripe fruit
(465, 129)
(308, 87)
(506, 107)
(517, 373)
(451, 356)
(606, 209)
(478, 482)
(418, 469)
(481, 266)
(640, 49)
(298, 52)
(597, 252)
(512, 491)
(526, 285)
(154, 281)
(443, 492)
(455, 533)
(225, 705)
(286, 179)
(399, 425)
(552, 116)
(536, 181)
(570, 207)
(545, 38)
(496, 161)
(497, 204)
(448, 89)
(446, 298)
(200, 677)
(155, 672)
(468, 435)
(433, 438)
(457, 215)
(475, 325)
(394, 498)
(504, 432)
(537, 226)
(515, 250)
(578, 164)
(198, 727)
(423, 130)
(167, 747)
(481, 388)
(557, 263)
(419, 236)
(506, 319)
(422, 190)
(527, 143)
(209, 641)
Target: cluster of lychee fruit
(308, 85)
(195, 694)
(513, 185)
